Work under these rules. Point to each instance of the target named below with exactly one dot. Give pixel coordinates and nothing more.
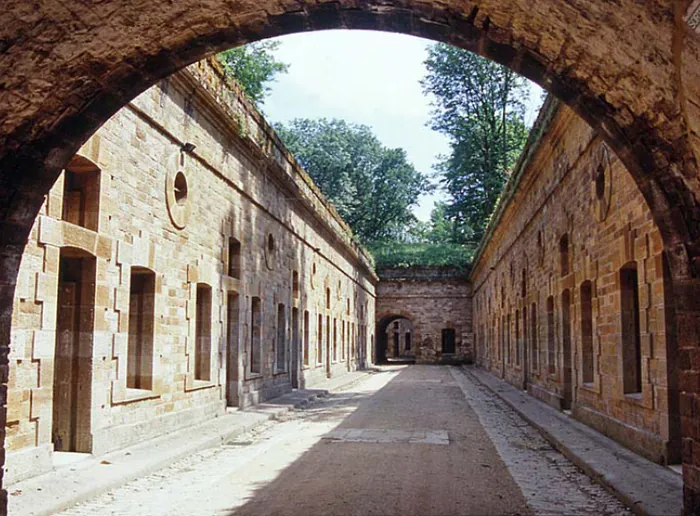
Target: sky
(369, 78)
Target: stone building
(430, 304)
(571, 290)
(183, 263)
(630, 68)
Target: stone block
(43, 344)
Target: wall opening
(525, 347)
(295, 348)
(255, 335)
(202, 352)
(507, 330)
(407, 341)
(564, 254)
(343, 340)
(449, 341)
(72, 377)
(551, 343)
(587, 332)
(630, 329)
(328, 298)
(181, 189)
(567, 393)
(328, 344)
(296, 290)
(535, 341)
(234, 258)
(390, 345)
(335, 340)
(395, 339)
(232, 343)
(142, 297)
(281, 345)
(81, 193)
(517, 337)
(319, 341)
(307, 330)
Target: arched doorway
(395, 342)
(629, 68)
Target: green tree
(441, 229)
(253, 66)
(480, 106)
(372, 187)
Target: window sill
(253, 376)
(135, 395)
(634, 397)
(200, 385)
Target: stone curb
(590, 468)
(261, 414)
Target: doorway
(295, 348)
(72, 380)
(232, 348)
(567, 376)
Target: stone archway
(630, 68)
(383, 322)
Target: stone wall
(147, 257)
(438, 304)
(571, 290)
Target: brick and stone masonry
(181, 264)
(436, 303)
(571, 290)
(629, 68)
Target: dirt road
(416, 440)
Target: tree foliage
(372, 187)
(253, 66)
(480, 106)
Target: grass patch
(421, 255)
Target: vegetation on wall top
(395, 255)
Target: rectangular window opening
(281, 358)
(255, 335)
(141, 329)
(81, 193)
(319, 342)
(202, 354)
(234, 258)
(551, 350)
(306, 337)
(587, 332)
(296, 292)
(631, 334)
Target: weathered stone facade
(571, 290)
(437, 302)
(164, 282)
(629, 68)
